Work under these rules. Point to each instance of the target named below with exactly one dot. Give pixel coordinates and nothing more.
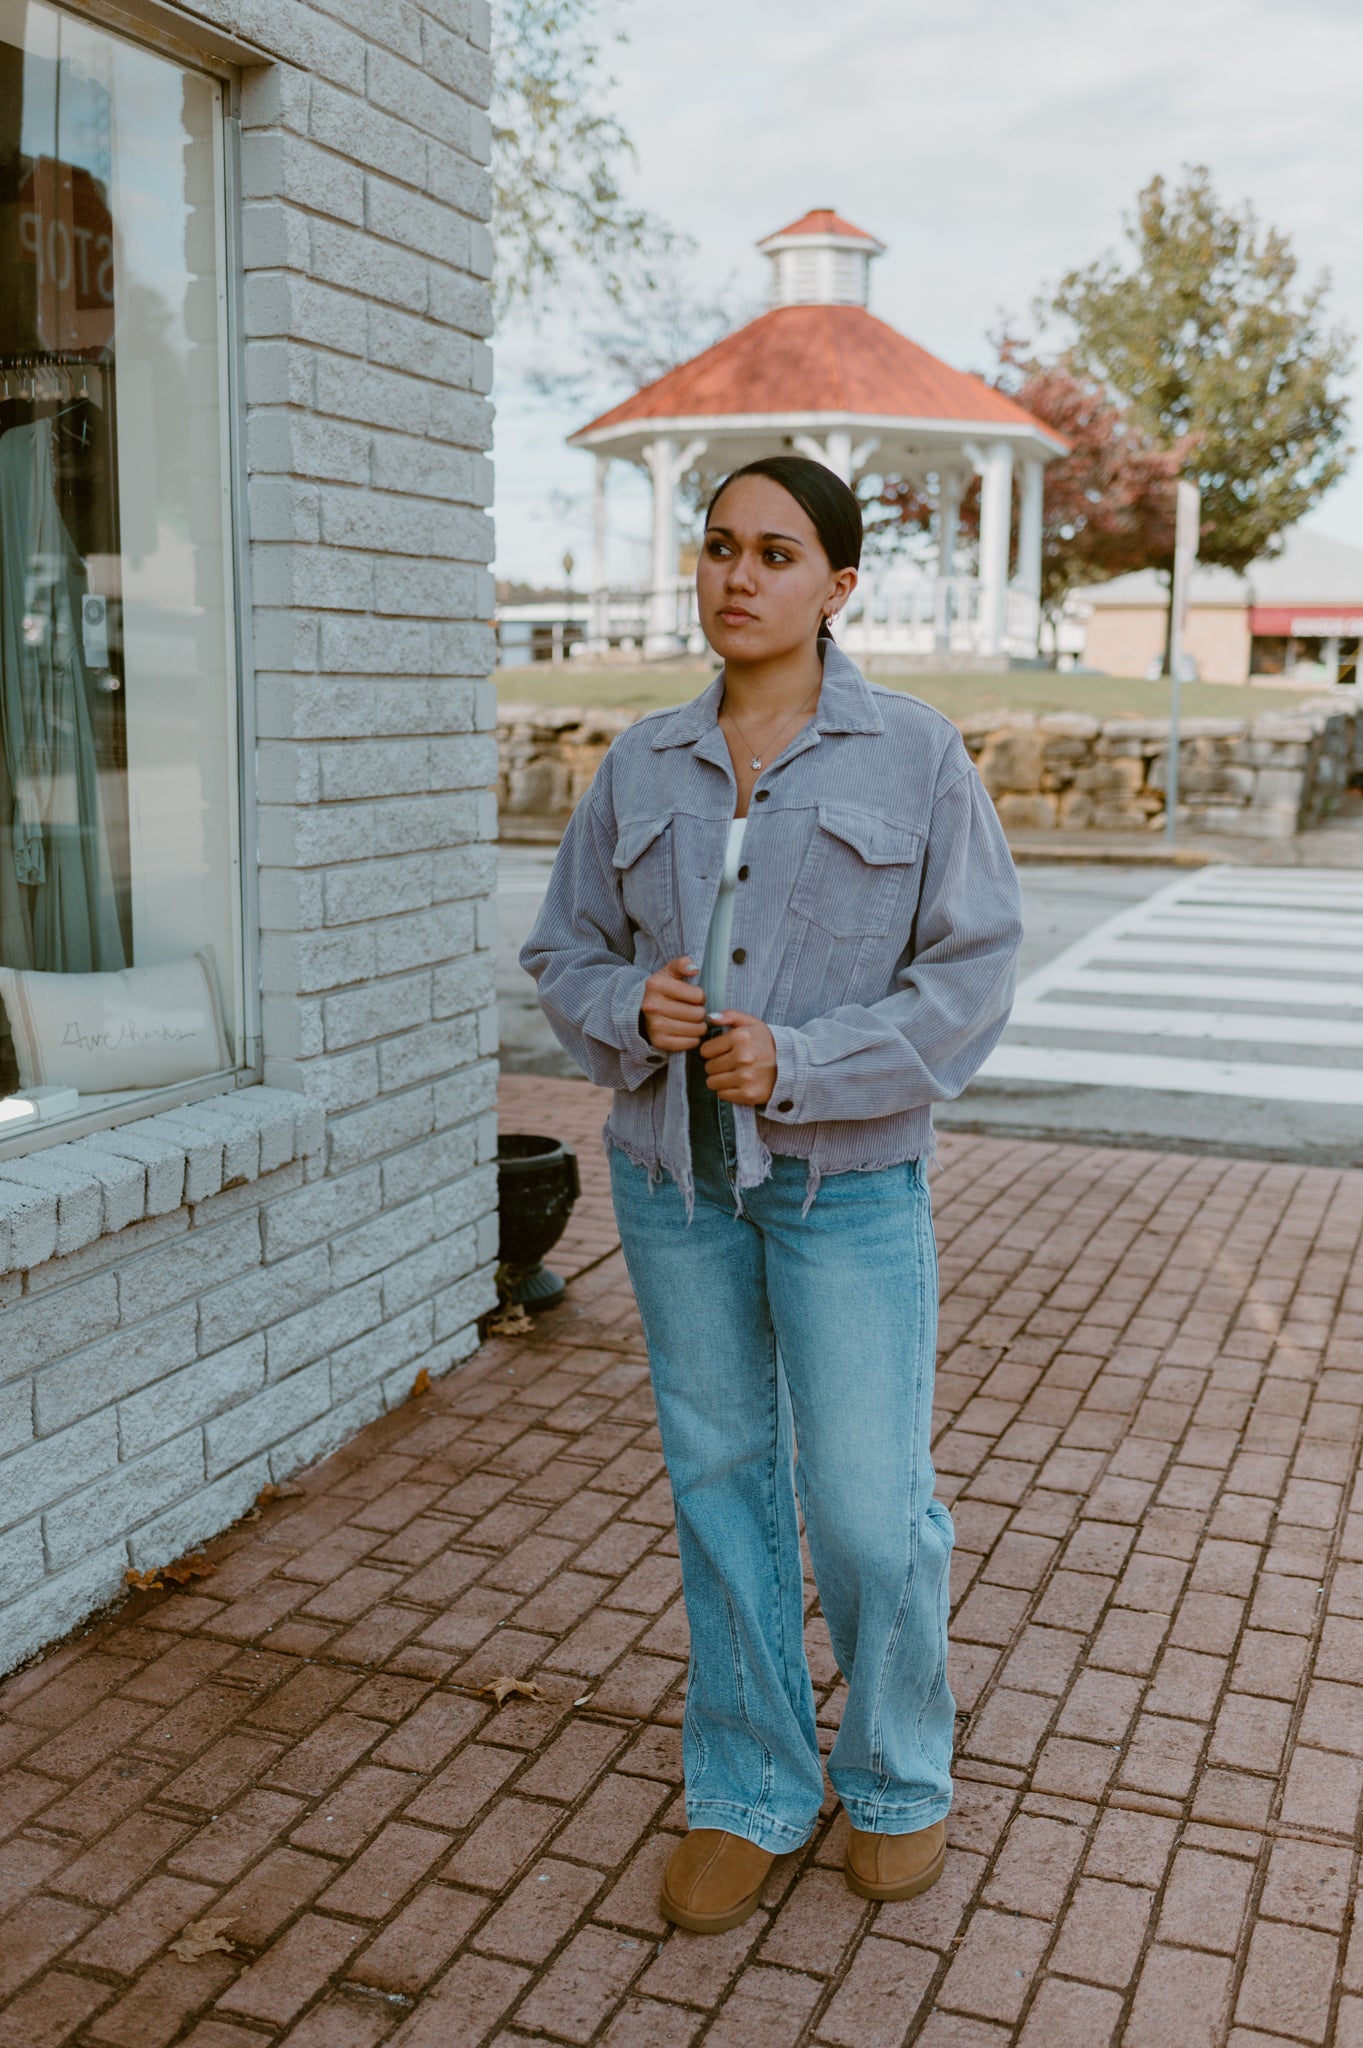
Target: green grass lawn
(645, 689)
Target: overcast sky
(991, 147)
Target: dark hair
(819, 492)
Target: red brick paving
(1150, 1404)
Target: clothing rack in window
(39, 376)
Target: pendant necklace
(754, 757)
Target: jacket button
(761, 796)
(739, 955)
(743, 874)
(785, 1105)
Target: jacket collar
(845, 705)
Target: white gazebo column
(667, 465)
(1029, 527)
(834, 453)
(1029, 540)
(839, 453)
(996, 519)
(948, 530)
(598, 621)
(661, 637)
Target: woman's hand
(672, 1014)
(740, 1064)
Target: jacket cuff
(639, 1060)
(786, 1103)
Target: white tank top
(714, 967)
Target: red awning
(1307, 621)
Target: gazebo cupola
(819, 374)
(821, 260)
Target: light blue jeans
(766, 1331)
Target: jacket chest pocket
(860, 875)
(643, 863)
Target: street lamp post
(564, 636)
(1187, 519)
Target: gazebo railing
(898, 613)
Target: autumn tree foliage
(1108, 506)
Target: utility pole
(1187, 520)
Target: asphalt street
(1215, 1010)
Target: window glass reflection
(119, 902)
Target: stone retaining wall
(1261, 778)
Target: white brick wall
(181, 1339)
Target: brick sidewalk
(1151, 1399)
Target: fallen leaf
(510, 1322)
(421, 1384)
(179, 1574)
(503, 1687)
(201, 1937)
(285, 1492)
(196, 1567)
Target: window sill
(57, 1200)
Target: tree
(654, 324)
(558, 154)
(613, 351)
(1206, 343)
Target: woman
(782, 923)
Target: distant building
(537, 624)
(1298, 614)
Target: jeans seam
(768, 1761)
(928, 1243)
(691, 1721)
(915, 1551)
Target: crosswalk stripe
(1222, 1025)
(1228, 988)
(1251, 880)
(1302, 931)
(1259, 916)
(1266, 1081)
(1286, 944)
(1283, 959)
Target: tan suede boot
(713, 1880)
(895, 1866)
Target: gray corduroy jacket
(876, 926)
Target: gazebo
(819, 374)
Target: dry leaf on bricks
(201, 1937)
(268, 1494)
(179, 1574)
(421, 1384)
(510, 1322)
(503, 1688)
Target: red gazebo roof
(822, 220)
(818, 359)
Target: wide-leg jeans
(769, 1331)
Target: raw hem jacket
(876, 926)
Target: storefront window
(120, 927)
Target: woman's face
(763, 580)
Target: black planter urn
(537, 1185)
